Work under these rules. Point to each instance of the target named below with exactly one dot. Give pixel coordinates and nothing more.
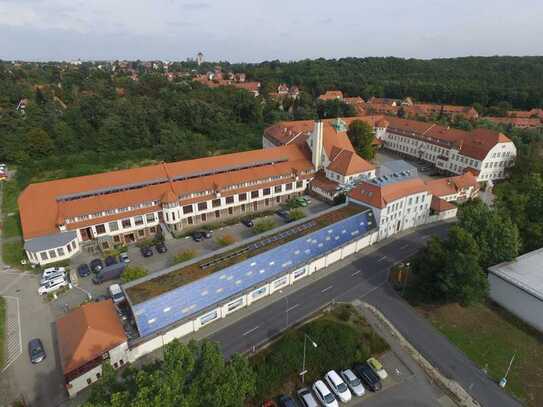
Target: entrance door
(86, 234)
(129, 238)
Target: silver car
(306, 398)
(353, 382)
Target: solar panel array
(194, 298)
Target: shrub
(184, 255)
(225, 240)
(133, 273)
(296, 214)
(263, 225)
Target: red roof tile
(379, 196)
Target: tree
(296, 214)
(133, 273)
(38, 143)
(361, 135)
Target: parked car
(300, 201)
(307, 199)
(101, 298)
(52, 270)
(110, 260)
(161, 247)
(123, 257)
(116, 293)
(338, 386)
(323, 393)
(96, 265)
(122, 310)
(146, 251)
(353, 382)
(284, 214)
(368, 376)
(52, 285)
(286, 401)
(83, 270)
(306, 398)
(199, 235)
(36, 350)
(112, 272)
(52, 276)
(377, 368)
(248, 222)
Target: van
(52, 276)
(116, 293)
(108, 273)
(52, 270)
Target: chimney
(317, 137)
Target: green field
(343, 337)
(490, 336)
(13, 253)
(2, 328)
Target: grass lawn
(10, 224)
(2, 328)
(343, 337)
(13, 253)
(490, 336)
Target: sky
(258, 30)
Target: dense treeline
(464, 81)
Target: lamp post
(304, 370)
(503, 381)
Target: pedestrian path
(13, 346)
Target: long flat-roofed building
(124, 206)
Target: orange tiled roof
(331, 95)
(517, 121)
(40, 207)
(379, 196)
(324, 183)
(88, 332)
(348, 163)
(441, 205)
(451, 185)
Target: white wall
(522, 304)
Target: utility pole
(304, 370)
(503, 381)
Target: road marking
(250, 331)
(356, 272)
(14, 337)
(326, 289)
(381, 259)
(294, 306)
(405, 246)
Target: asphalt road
(366, 278)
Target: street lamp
(304, 370)
(503, 381)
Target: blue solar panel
(190, 299)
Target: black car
(96, 265)
(368, 376)
(146, 251)
(284, 214)
(83, 270)
(286, 401)
(101, 298)
(200, 235)
(248, 222)
(161, 247)
(110, 260)
(36, 351)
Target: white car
(338, 386)
(116, 293)
(353, 382)
(52, 285)
(52, 270)
(323, 393)
(378, 368)
(52, 276)
(123, 257)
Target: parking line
(381, 259)
(326, 289)
(14, 349)
(293, 307)
(405, 246)
(356, 272)
(250, 331)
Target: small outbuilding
(518, 287)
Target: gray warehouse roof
(525, 272)
(50, 242)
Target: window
(278, 188)
(216, 203)
(202, 206)
(299, 273)
(113, 226)
(234, 305)
(242, 197)
(288, 186)
(299, 184)
(204, 217)
(259, 293)
(230, 211)
(116, 239)
(138, 220)
(189, 220)
(229, 200)
(217, 214)
(209, 317)
(127, 223)
(73, 245)
(141, 233)
(243, 208)
(69, 247)
(60, 252)
(152, 229)
(254, 194)
(44, 256)
(187, 209)
(266, 191)
(100, 229)
(150, 217)
(52, 254)
(280, 282)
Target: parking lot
(425, 170)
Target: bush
(184, 255)
(225, 240)
(133, 273)
(263, 225)
(296, 214)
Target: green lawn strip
(343, 337)
(10, 193)
(13, 253)
(11, 226)
(490, 336)
(2, 328)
